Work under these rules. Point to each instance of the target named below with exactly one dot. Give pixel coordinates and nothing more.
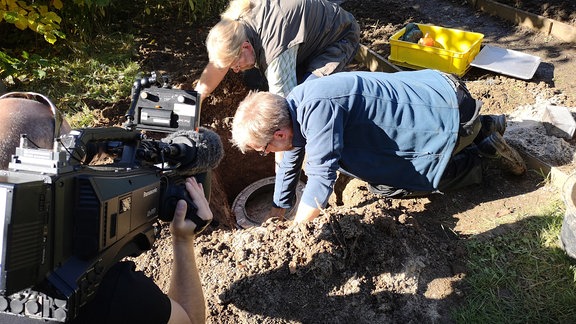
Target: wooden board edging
(374, 61)
(542, 24)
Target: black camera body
(64, 222)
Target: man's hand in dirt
(276, 212)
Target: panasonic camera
(65, 220)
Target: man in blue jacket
(406, 134)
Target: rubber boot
(495, 149)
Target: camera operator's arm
(187, 297)
(209, 80)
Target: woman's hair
(225, 39)
(258, 116)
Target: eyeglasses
(264, 152)
(235, 65)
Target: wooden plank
(556, 176)
(545, 25)
(563, 31)
(374, 61)
(519, 17)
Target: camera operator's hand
(181, 228)
(187, 297)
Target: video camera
(64, 220)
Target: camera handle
(137, 86)
(172, 195)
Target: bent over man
(281, 42)
(406, 134)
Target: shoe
(490, 124)
(495, 148)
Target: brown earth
(366, 259)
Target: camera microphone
(195, 151)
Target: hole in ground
(236, 171)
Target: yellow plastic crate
(454, 50)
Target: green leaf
(52, 16)
(50, 38)
(41, 74)
(11, 17)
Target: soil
(366, 259)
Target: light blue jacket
(397, 129)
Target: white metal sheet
(507, 62)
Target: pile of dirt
(366, 259)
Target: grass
(522, 276)
(89, 77)
(97, 63)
